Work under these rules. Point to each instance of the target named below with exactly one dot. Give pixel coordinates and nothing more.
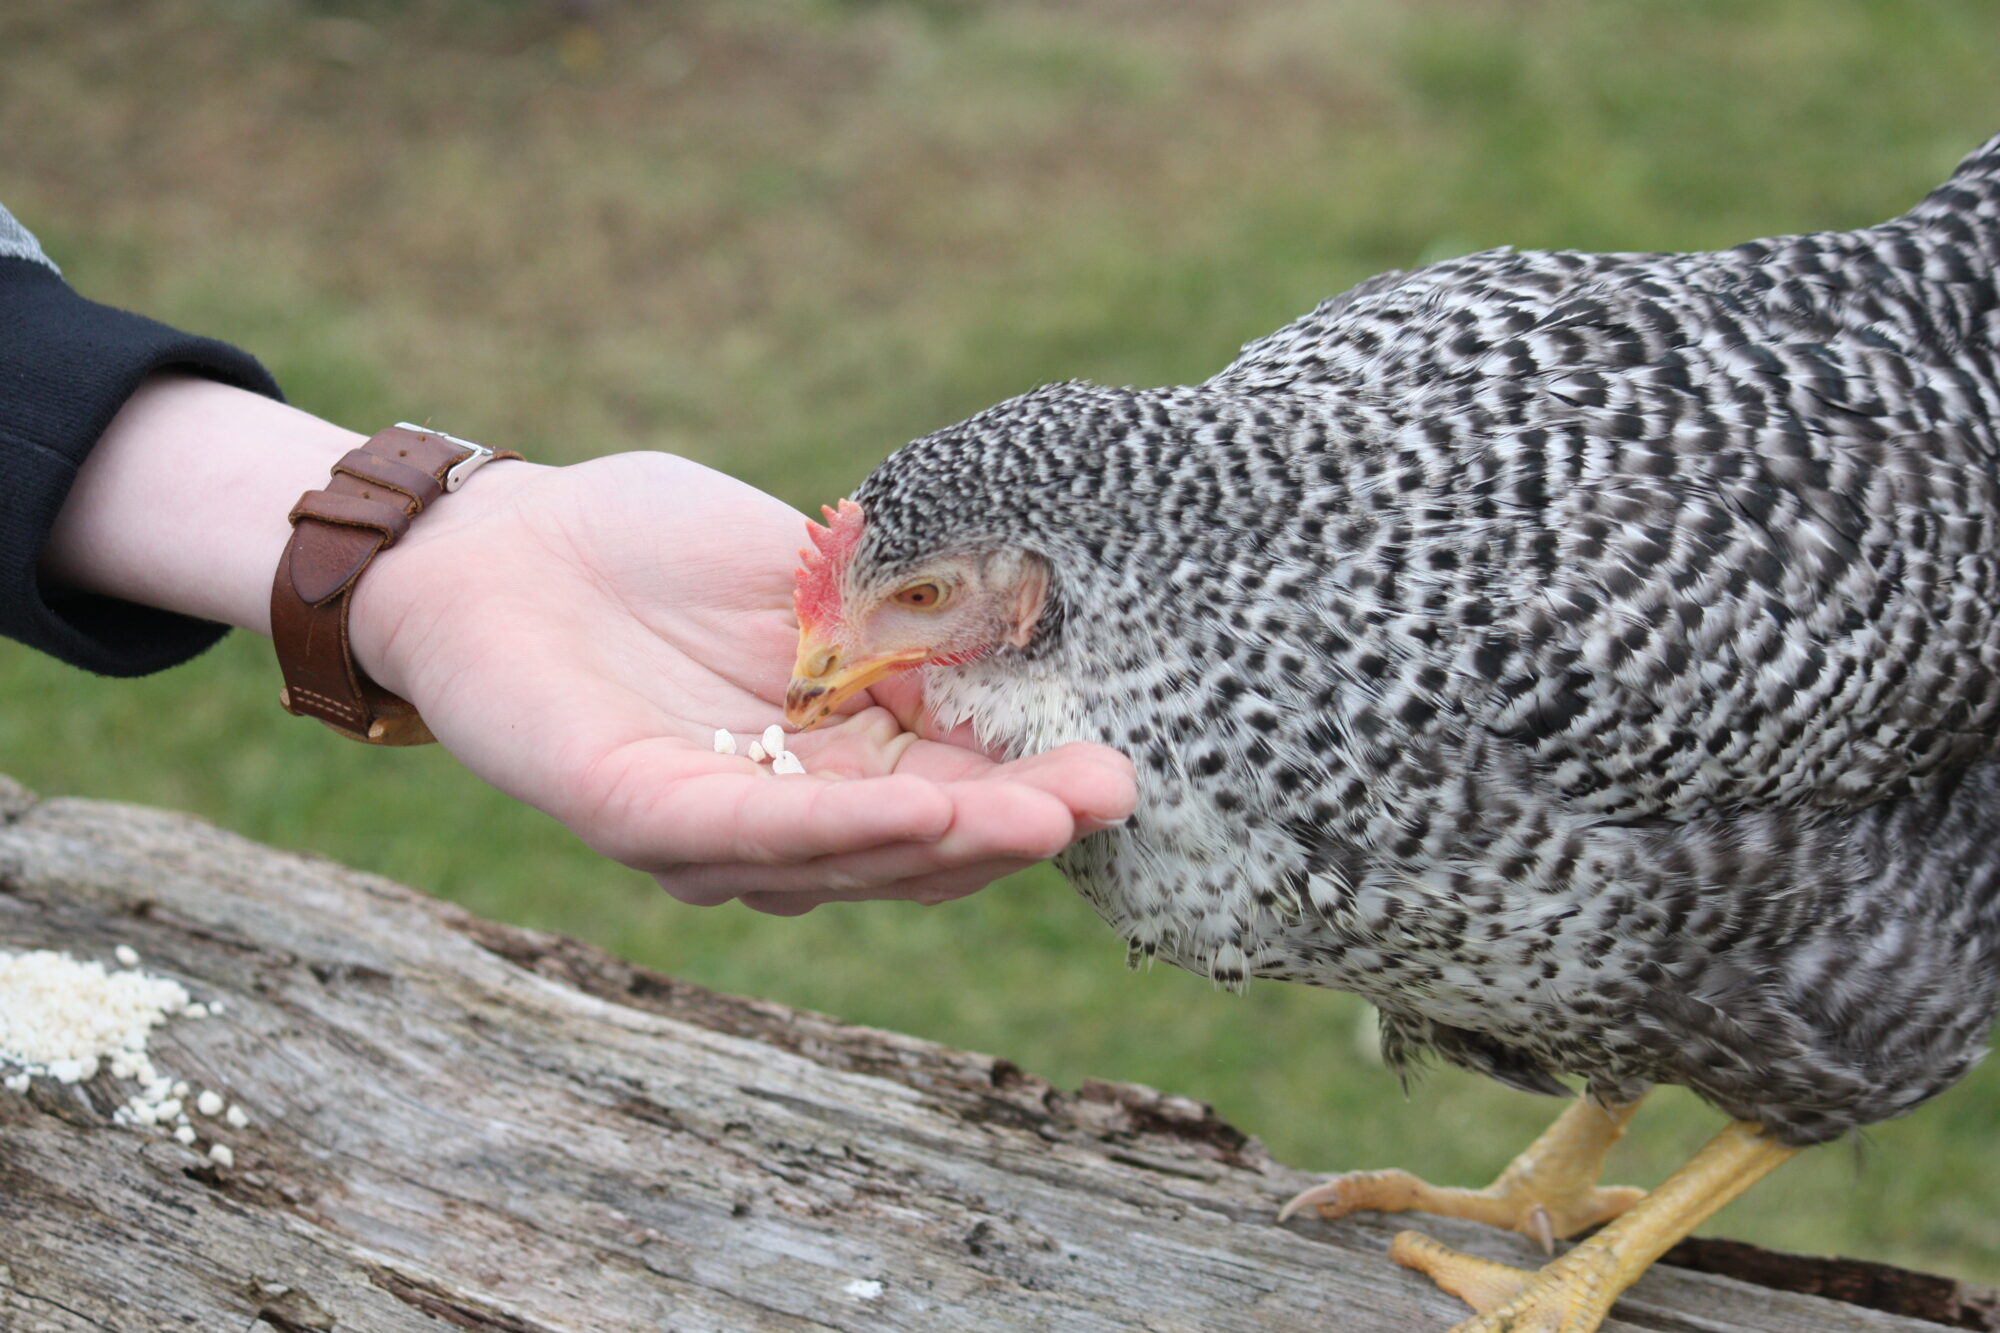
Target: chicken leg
(1548, 1192)
(1574, 1293)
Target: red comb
(817, 594)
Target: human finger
(929, 890)
(654, 814)
(1095, 781)
(903, 696)
(991, 821)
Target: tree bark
(461, 1125)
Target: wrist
(184, 505)
(408, 585)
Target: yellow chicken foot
(1574, 1293)
(1549, 1191)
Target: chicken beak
(824, 678)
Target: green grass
(783, 238)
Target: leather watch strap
(375, 493)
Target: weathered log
(457, 1124)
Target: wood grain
(461, 1125)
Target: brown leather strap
(376, 492)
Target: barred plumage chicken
(1590, 659)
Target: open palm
(576, 636)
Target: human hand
(576, 635)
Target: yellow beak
(823, 679)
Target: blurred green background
(784, 237)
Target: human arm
(67, 366)
(575, 635)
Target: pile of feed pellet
(69, 1020)
(771, 746)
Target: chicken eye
(924, 596)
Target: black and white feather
(1590, 659)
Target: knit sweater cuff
(66, 366)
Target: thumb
(903, 696)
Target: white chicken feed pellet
(770, 746)
(73, 1071)
(126, 955)
(220, 1154)
(209, 1103)
(236, 1117)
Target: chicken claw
(1574, 1293)
(1547, 1193)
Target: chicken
(1589, 659)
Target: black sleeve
(66, 366)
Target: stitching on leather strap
(327, 701)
